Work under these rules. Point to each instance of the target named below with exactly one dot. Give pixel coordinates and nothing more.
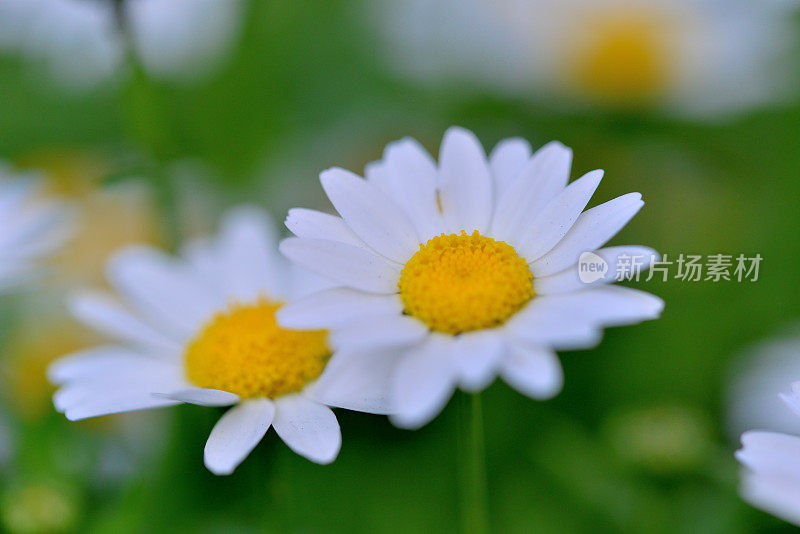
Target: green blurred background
(634, 443)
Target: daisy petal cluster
(771, 475)
(30, 227)
(200, 328)
(449, 274)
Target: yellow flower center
(457, 283)
(244, 351)
(622, 58)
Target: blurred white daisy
(30, 227)
(687, 57)
(758, 375)
(201, 329)
(80, 42)
(771, 474)
(453, 273)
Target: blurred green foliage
(633, 444)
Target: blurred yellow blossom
(39, 506)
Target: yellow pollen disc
(457, 283)
(623, 57)
(244, 351)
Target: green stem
(474, 494)
(167, 202)
(144, 115)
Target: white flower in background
(80, 42)
(771, 474)
(758, 375)
(201, 329)
(30, 227)
(688, 57)
(453, 273)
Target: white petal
(771, 453)
(303, 282)
(610, 305)
(71, 395)
(113, 385)
(476, 355)
(574, 320)
(542, 177)
(594, 228)
(622, 263)
(374, 333)
(107, 380)
(162, 290)
(337, 307)
(506, 161)
(201, 397)
(775, 494)
(37, 229)
(104, 362)
(465, 184)
(792, 400)
(13, 193)
(410, 175)
(355, 381)
(120, 401)
(423, 382)
(103, 314)
(555, 219)
(177, 41)
(202, 257)
(544, 324)
(101, 392)
(533, 371)
(251, 266)
(310, 429)
(342, 263)
(372, 215)
(378, 174)
(236, 434)
(317, 225)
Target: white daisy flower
(30, 227)
(201, 329)
(758, 375)
(771, 474)
(686, 57)
(80, 42)
(453, 273)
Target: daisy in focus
(685, 57)
(30, 228)
(771, 475)
(452, 273)
(81, 44)
(201, 329)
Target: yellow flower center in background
(244, 351)
(622, 58)
(457, 283)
